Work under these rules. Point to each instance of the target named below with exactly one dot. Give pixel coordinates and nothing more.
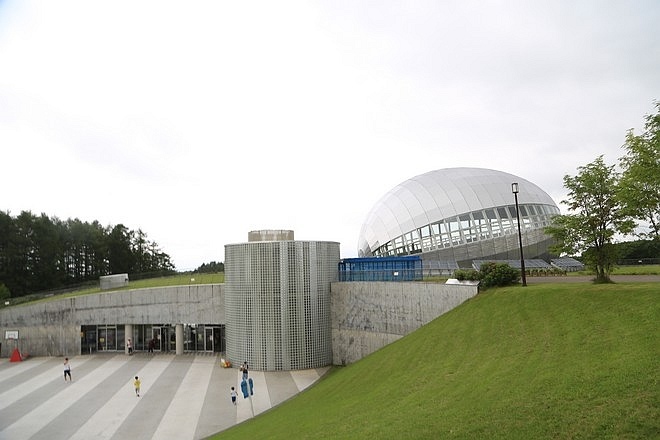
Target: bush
(4, 292)
(466, 275)
(490, 274)
(498, 274)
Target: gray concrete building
(363, 317)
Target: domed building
(461, 215)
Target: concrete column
(128, 334)
(179, 339)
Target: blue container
(408, 268)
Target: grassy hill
(546, 361)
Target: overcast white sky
(200, 121)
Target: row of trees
(212, 267)
(39, 253)
(606, 202)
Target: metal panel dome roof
(439, 194)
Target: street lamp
(514, 190)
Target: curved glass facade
(457, 213)
(468, 228)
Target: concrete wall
(366, 316)
(52, 328)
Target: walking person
(129, 345)
(244, 369)
(234, 395)
(137, 386)
(67, 369)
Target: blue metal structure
(406, 268)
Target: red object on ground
(16, 356)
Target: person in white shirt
(67, 369)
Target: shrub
(490, 274)
(466, 275)
(498, 274)
(4, 292)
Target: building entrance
(214, 338)
(164, 338)
(157, 337)
(107, 339)
(204, 337)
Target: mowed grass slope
(546, 361)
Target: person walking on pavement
(244, 369)
(67, 369)
(137, 386)
(234, 395)
(129, 345)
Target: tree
(596, 218)
(212, 267)
(4, 292)
(639, 187)
(47, 253)
(122, 259)
(8, 232)
(39, 253)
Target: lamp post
(514, 190)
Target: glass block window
(277, 303)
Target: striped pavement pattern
(182, 397)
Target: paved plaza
(182, 397)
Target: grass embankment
(174, 280)
(545, 361)
(182, 279)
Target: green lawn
(174, 280)
(642, 269)
(182, 279)
(558, 361)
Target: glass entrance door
(218, 339)
(165, 338)
(111, 339)
(208, 337)
(107, 338)
(157, 338)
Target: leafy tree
(8, 233)
(23, 254)
(212, 267)
(98, 245)
(639, 249)
(47, 252)
(121, 255)
(4, 292)
(40, 253)
(141, 248)
(596, 217)
(639, 187)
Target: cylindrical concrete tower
(270, 235)
(277, 303)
